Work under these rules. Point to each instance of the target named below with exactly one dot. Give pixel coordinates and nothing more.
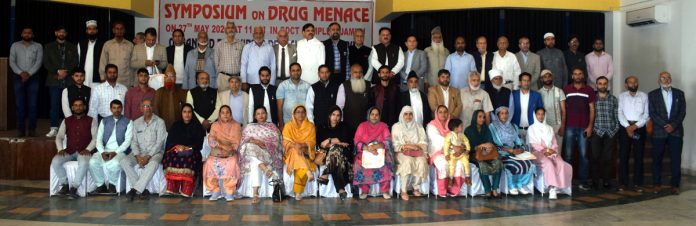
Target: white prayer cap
(549, 34)
(495, 72)
(91, 23)
(546, 71)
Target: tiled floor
(22, 203)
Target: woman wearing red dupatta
(437, 130)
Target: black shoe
(638, 189)
(73, 193)
(343, 195)
(112, 189)
(145, 195)
(21, 133)
(131, 194)
(584, 187)
(622, 188)
(32, 133)
(64, 189)
(607, 185)
(100, 190)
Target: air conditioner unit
(646, 16)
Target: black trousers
(626, 146)
(600, 163)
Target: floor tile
(565, 202)
(481, 210)
(215, 217)
(175, 217)
(256, 218)
(629, 193)
(447, 212)
(378, 199)
(242, 202)
(335, 217)
(135, 216)
(374, 216)
(589, 199)
(96, 214)
(409, 214)
(297, 217)
(10, 193)
(610, 196)
(100, 198)
(37, 195)
(202, 202)
(58, 213)
(24, 210)
(169, 200)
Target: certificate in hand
(371, 161)
(524, 156)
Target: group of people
(368, 115)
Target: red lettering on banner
(344, 15)
(287, 13)
(207, 11)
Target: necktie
(282, 64)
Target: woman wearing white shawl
(410, 146)
(542, 139)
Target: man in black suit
(416, 99)
(176, 55)
(484, 61)
(336, 52)
(667, 108)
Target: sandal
(417, 193)
(404, 196)
(255, 200)
(323, 180)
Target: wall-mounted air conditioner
(651, 15)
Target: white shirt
(179, 64)
(266, 104)
(374, 61)
(633, 108)
(310, 54)
(287, 61)
(417, 105)
(445, 94)
(101, 97)
(65, 103)
(509, 66)
(111, 144)
(524, 107)
(309, 102)
(149, 51)
(89, 62)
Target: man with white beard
(500, 96)
(357, 98)
(437, 53)
(474, 98)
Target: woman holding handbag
(484, 154)
(506, 137)
(221, 171)
(410, 146)
(373, 162)
(261, 152)
(335, 150)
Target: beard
(602, 90)
(547, 82)
(438, 47)
(413, 90)
(335, 36)
(357, 85)
(169, 84)
(92, 36)
(26, 39)
(633, 89)
(445, 84)
(665, 86)
(497, 87)
(474, 88)
(203, 86)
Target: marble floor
(27, 203)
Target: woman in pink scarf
(222, 168)
(437, 130)
(542, 138)
(371, 136)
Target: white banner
(212, 15)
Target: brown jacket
(436, 98)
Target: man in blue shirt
(459, 64)
(255, 55)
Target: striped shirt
(578, 105)
(228, 56)
(606, 116)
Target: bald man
(200, 60)
(285, 54)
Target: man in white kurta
(507, 63)
(310, 54)
(114, 137)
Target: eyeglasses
(665, 78)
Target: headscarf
(540, 132)
(476, 136)
(504, 130)
(305, 133)
(409, 130)
(441, 128)
(368, 132)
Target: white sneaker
(514, 191)
(229, 197)
(215, 196)
(552, 194)
(53, 132)
(524, 191)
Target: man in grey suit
(416, 61)
(529, 62)
(286, 54)
(149, 55)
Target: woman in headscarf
(371, 138)
(337, 143)
(221, 168)
(437, 131)
(261, 153)
(182, 160)
(410, 145)
(506, 138)
(299, 138)
(542, 139)
(480, 138)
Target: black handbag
(278, 190)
